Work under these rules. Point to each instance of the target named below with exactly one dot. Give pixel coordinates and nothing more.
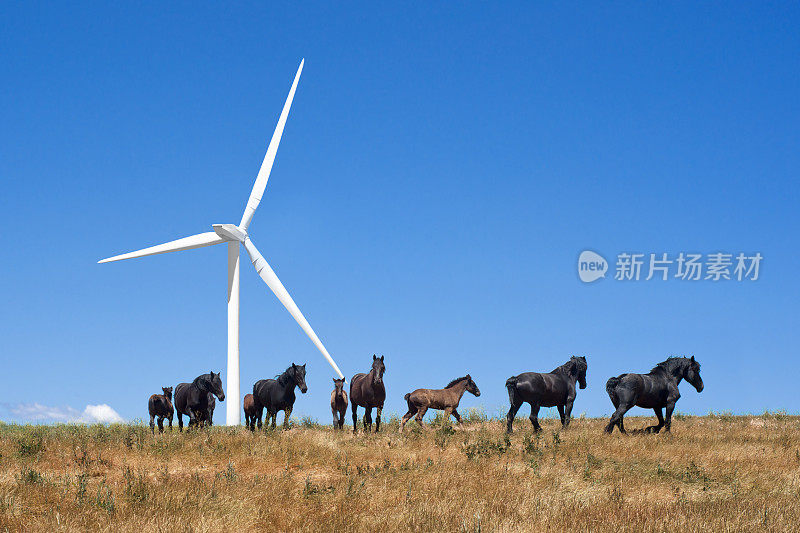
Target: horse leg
(412, 410)
(512, 413)
(447, 412)
(568, 413)
(170, 423)
(335, 418)
(378, 412)
(161, 424)
(286, 414)
(274, 417)
(421, 414)
(368, 419)
(657, 427)
(342, 414)
(561, 414)
(535, 417)
(354, 409)
(616, 418)
(152, 424)
(668, 421)
(458, 416)
(180, 422)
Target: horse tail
(511, 385)
(611, 388)
(407, 396)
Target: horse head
(692, 374)
(299, 377)
(472, 387)
(167, 392)
(579, 368)
(378, 368)
(338, 384)
(213, 384)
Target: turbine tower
(234, 236)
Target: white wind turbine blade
(187, 243)
(269, 159)
(272, 281)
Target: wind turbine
(234, 236)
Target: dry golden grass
(721, 473)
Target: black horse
(556, 389)
(655, 390)
(191, 399)
(278, 395)
(367, 390)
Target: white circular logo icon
(591, 266)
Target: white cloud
(102, 413)
(92, 414)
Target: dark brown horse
(446, 399)
(278, 394)
(191, 399)
(555, 389)
(338, 403)
(250, 411)
(655, 390)
(160, 405)
(367, 390)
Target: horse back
(547, 389)
(158, 405)
(653, 390)
(181, 396)
(189, 397)
(261, 391)
(433, 398)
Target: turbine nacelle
(230, 232)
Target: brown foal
(446, 399)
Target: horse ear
(374, 357)
(294, 365)
(692, 359)
(381, 358)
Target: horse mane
(283, 379)
(455, 381)
(201, 377)
(565, 367)
(669, 365)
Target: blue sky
(439, 174)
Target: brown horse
(160, 405)
(250, 411)
(338, 403)
(446, 399)
(367, 390)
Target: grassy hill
(720, 473)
